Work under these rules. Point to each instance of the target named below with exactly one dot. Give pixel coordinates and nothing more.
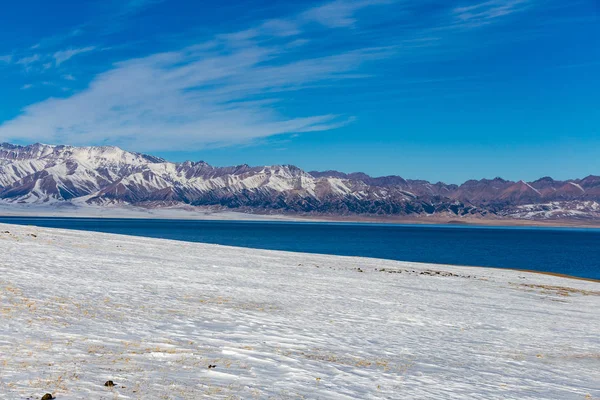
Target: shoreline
(547, 273)
(555, 274)
(201, 214)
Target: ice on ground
(78, 309)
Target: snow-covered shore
(78, 309)
(70, 210)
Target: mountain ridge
(107, 175)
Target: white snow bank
(78, 309)
(81, 210)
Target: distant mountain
(45, 174)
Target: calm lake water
(562, 250)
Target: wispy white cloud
(336, 14)
(227, 90)
(65, 55)
(27, 61)
(488, 11)
(26, 86)
(40, 62)
(340, 13)
(271, 28)
(213, 93)
(213, 96)
(55, 40)
(112, 20)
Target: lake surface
(562, 250)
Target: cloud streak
(339, 14)
(27, 61)
(486, 12)
(230, 89)
(214, 93)
(65, 55)
(195, 99)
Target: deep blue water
(562, 250)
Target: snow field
(79, 308)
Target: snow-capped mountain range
(45, 174)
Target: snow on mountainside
(43, 174)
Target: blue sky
(437, 90)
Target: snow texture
(78, 309)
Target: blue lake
(561, 250)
